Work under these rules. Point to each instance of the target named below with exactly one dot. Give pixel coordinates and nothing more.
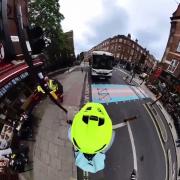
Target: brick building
(171, 59)
(126, 50)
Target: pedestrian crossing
(109, 93)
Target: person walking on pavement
(55, 90)
(55, 87)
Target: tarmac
(166, 115)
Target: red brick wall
(125, 49)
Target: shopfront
(16, 85)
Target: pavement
(53, 157)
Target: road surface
(138, 146)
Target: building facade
(126, 50)
(171, 58)
(15, 81)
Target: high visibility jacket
(52, 86)
(39, 88)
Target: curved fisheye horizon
(89, 90)
(93, 22)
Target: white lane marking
(85, 175)
(133, 146)
(174, 171)
(119, 125)
(143, 92)
(170, 165)
(165, 157)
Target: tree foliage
(46, 14)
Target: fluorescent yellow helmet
(91, 130)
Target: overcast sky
(96, 20)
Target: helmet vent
(85, 119)
(101, 121)
(94, 118)
(89, 108)
(99, 110)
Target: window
(132, 51)
(172, 67)
(178, 48)
(120, 40)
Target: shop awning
(15, 70)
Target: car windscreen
(102, 62)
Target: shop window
(178, 48)
(172, 67)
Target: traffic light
(36, 39)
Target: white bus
(101, 64)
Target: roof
(176, 13)
(102, 53)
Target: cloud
(96, 20)
(113, 21)
(154, 36)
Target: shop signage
(13, 82)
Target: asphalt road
(151, 153)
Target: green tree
(46, 14)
